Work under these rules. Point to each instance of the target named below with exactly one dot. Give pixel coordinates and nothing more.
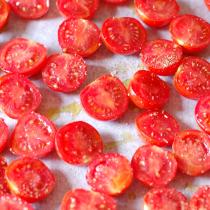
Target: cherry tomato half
(157, 13)
(80, 199)
(148, 91)
(161, 56)
(4, 130)
(207, 4)
(30, 179)
(157, 127)
(4, 13)
(18, 95)
(79, 36)
(116, 1)
(191, 32)
(64, 72)
(192, 151)
(124, 35)
(3, 183)
(192, 78)
(110, 174)
(30, 9)
(105, 98)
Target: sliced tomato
(157, 127)
(165, 199)
(191, 32)
(124, 35)
(192, 78)
(30, 9)
(4, 13)
(4, 130)
(64, 72)
(116, 1)
(207, 4)
(148, 91)
(18, 95)
(192, 151)
(105, 98)
(80, 199)
(3, 183)
(78, 9)
(79, 36)
(30, 179)
(161, 56)
(157, 13)
(22, 56)
(110, 174)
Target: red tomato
(64, 72)
(4, 130)
(124, 35)
(148, 91)
(110, 174)
(30, 179)
(191, 32)
(192, 151)
(154, 166)
(165, 199)
(33, 136)
(207, 4)
(22, 56)
(3, 183)
(105, 98)
(201, 199)
(157, 127)
(156, 13)
(4, 13)
(161, 56)
(192, 78)
(78, 143)
(79, 36)
(80, 199)
(30, 9)
(18, 95)
(116, 1)
(78, 9)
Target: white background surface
(122, 131)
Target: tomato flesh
(116, 1)
(4, 130)
(4, 13)
(161, 56)
(207, 4)
(110, 174)
(3, 183)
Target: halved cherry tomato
(18, 95)
(207, 4)
(30, 9)
(192, 78)
(148, 91)
(191, 32)
(157, 13)
(116, 1)
(4, 13)
(165, 199)
(64, 72)
(157, 127)
(30, 179)
(105, 98)
(80, 199)
(3, 183)
(201, 199)
(78, 9)
(79, 36)
(124, 35)
(4, 131)
(22, 56)
(154, 166)
(110, 174)
(161, 56)
(192, 151)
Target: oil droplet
(74, 108)
(127, 137)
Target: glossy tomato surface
(124, 35)
(3, 183)
(4, 131)
(207, 3)
(116, 1)
(4, 13)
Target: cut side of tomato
(30, 9)
(80, 199)
(18, 95)
(192, 78)
(124, 35)
(157, 127)
(116, 1)
(3, 183)
(207, 4)
(4, 13)
(64, 72)
(79, 36)
(4, 130)
(22, 56)
(148, 91)
(192, 151)
(157, 13)
(161, 56)
(30, 179)
(191, 32)
(105, 98)
(110, 174)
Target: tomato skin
(4, 11)
(4, 129)
(207, 4)
(3, 183)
